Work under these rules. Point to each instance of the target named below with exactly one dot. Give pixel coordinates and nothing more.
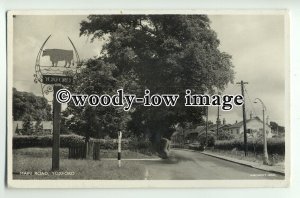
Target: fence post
(96, 153)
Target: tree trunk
(164, 148)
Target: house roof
(239, 124)
(196, 129)
(199, 129)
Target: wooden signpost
(55, 77)
(56, 129)
(57, 82)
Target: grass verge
(47, 152)
(275, 160)
(35, 163)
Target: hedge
(275, 145)
(210, 139)
(75, 140)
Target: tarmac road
(192, 165)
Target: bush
(45, 141)
(210, 139)
(76, 140)
(225, 135)
(275, 145)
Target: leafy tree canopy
(276, 127)
(29, 105)
(163, 53)
(96, 78)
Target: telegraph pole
(218, 122)
(242, 83)
(206, 126)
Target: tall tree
(163, 53)
(29, 105)
(95, 78)
(27, 125)
(277, 128)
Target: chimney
(251, 115)
(235, 121)
(224, 121)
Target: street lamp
(265, 158)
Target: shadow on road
(173, 159)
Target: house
(192, 132)
(186, 135)
(213, 128)
(254, 124)
(46, 128)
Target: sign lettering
(54, 79)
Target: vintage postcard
(148, 99)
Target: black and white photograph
(121, 99)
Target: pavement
(194, 165)
(260, 166)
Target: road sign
(55, 79)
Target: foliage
(76, 140)
(277, 128)
(38, 126)
(164, 53)
(27, 125)
(225, 135)
(96, 78)
(275, 145)
(256, 138)
(211, 138)
(17, 130)
(27, 104)
(63, 126)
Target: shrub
(225, 135)
(210, 139)
(76, 140)
(275, 145)
(45, 141)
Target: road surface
(192, 165)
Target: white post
(119, 147)
(265, 158)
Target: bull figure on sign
(59, 55)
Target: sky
(256, 43)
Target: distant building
(254, 124)
(213, 128)
(185, 135)
(46, 128)
(192, 133)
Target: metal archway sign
(52, 77)
(54, 73)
